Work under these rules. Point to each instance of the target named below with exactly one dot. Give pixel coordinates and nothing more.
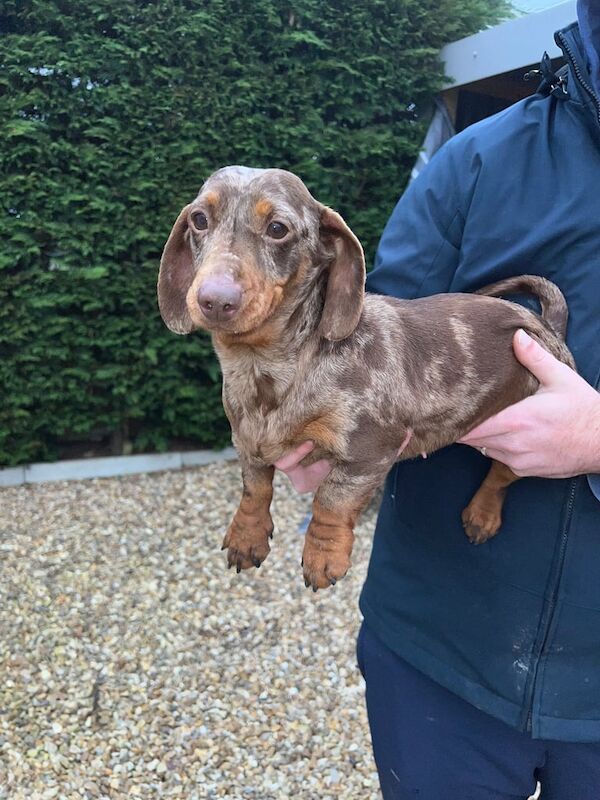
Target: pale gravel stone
(133, 664)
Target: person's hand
(304, 479)
(554, 433)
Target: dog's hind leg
(483, 516)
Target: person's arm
(419, 249)
(555, 433)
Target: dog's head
(248, 246)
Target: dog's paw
(323, 567)
(480, 523)
(247, 547)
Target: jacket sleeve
(420, 247)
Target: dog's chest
(264, 414)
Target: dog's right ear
(176, 276)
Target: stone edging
(79, 469)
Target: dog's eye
(276, 230)
(200, 221)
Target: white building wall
(510, 45)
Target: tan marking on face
(263, 207)
(253, 322)
(211, 198)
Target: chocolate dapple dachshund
(278, 280)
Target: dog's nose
(219, 298)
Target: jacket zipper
(553, 598)
(579, 75)
(571, 501)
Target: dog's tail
(554, 306)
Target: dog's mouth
(222, 305)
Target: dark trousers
(430, 744)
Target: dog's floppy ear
(346, 282)
(176, 276)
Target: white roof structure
(527, 6)
(513, 44)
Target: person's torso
(512, 625)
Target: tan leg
(328, 545)
(336, 507)
(247, 539)
(483, 516)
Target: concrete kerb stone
(13, 476)
(81, 469)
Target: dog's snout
(219, 298)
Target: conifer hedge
(112, 112)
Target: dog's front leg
(247, 540)
(330, 535)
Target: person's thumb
(538, 361)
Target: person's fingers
(308, 479)
(498, 425)
(538, 361)
(290, 460)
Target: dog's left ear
(346, 282)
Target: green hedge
(112, 112)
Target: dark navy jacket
(512, 626)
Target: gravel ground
(133, 664)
